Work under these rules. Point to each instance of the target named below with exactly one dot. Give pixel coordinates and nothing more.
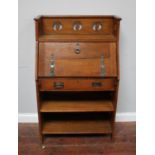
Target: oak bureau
(77, 74)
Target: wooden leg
(113, 128)
(112, 137)
(43, 146)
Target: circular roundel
(77, 26)
(57, 26)
(97, 26)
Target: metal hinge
(102, 66)
(52, 66)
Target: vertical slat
(117, 28)
(115, 97)
(116, 33)
(36, 30)
(36, 60)
(38, 108)
(38, 27)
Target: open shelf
(76, 112)
(77, 106)
(77, 127)
(76, 102)
(76, 123)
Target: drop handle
(58, 85)
(77, 50)
(96, 84)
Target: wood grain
(76, 106)
(76, 84)
(46, 33)
(75, 38)
(67, 24)
(85, 64)
(66, 50)
(77, 127)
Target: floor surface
(124, 143)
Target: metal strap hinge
(102, 66)
(52, 66)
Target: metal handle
(77, 49)
(96, 84)
(58, 85)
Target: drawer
(77, 60)
(61, 84)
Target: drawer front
(72, 60)
(77, 25)
(61, 84)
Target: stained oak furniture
(77, 74)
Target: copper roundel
(97, 26)
(57, 26)
(77, 26)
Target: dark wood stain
(124, 143)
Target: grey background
(28, 9)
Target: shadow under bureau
(77, 74)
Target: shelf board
(76, 127)
(76, 106)
(77, 37)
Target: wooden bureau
(77, 74)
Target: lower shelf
(77, 127)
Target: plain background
(126, 9)
(145, 90)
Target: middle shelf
(76, 102)
(77, 106)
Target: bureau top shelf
(77, 28)
(82, 38)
